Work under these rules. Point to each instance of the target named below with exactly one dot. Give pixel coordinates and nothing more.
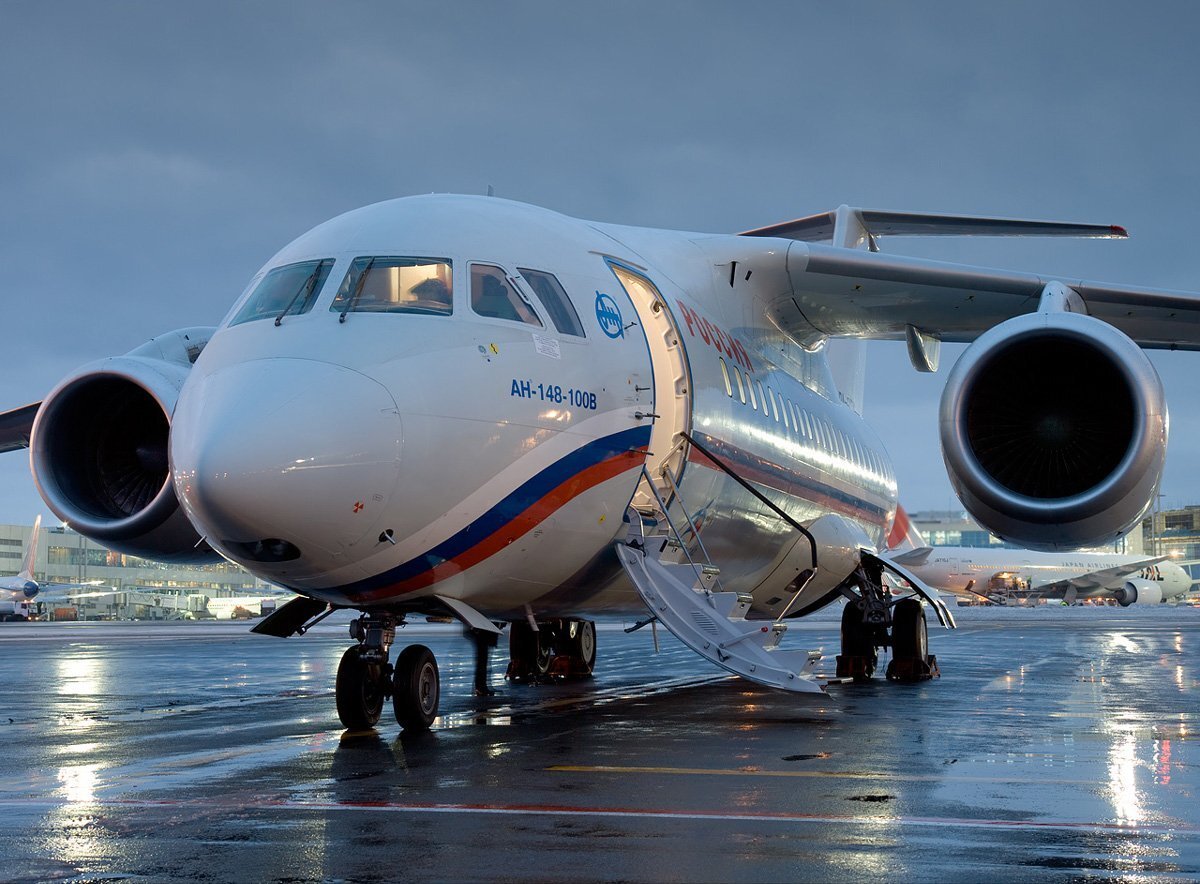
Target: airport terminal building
(1174, 533)
(956, 528)
(142, 587)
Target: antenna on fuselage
(491, 190)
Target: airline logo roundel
(608, 314)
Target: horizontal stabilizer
(913, 556)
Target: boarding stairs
(680, 585)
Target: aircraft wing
(1088, 581)
(16, 425)
(1105, 577)
(854, 293)
(851, 292)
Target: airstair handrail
(687, 512)
(671, 524)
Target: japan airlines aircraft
(470, 407)
(23, 589)
(1011, 576)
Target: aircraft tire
(858, 641)
(580, 647)
(910, 635)
(528, 652)
(359, 690)
(416, 688)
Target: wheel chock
(855, 666)
(913, 669)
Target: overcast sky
(156, 154)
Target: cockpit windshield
(287, 290)
(396, 285)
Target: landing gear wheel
(359, 690)
(858, 658)
(910, 636)
(416, 688)
(579, 648)
(911, 660)
(528, 653)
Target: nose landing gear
(365, 678)
(360, 689)
(416, 688)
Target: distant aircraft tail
(31, 551)
(903, 536)
(905, 545)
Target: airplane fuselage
(967, 572)
(377, 446)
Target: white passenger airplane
(451, 405)
(1012, 576)
(24, 591)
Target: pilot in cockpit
(431, 294)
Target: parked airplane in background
(1013, 576)
(23, 590)
(465, 406)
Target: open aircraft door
(670, 408)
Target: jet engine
(98, 450)
(1054, 430)
(1139, 591)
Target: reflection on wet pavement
(1058, 742)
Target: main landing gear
(365, 678)
(564, 648)
(871, 620)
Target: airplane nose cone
(285, 461)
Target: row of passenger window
(383, 284)
(740, 386)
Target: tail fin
(31, 552)
(905, 545)
(903, 536)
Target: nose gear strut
(365, 678)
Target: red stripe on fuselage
(520, 525)
(763, 477)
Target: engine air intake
(1053, 429)
(1050, 418)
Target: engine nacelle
(1139, 591)
(98, 450)
(1054, 431)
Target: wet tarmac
(1059, 744)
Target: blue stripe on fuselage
(509, 508)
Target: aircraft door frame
(670, 376)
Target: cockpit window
(285, 291)
(550, 292)
(493, 295)
(396, 285)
